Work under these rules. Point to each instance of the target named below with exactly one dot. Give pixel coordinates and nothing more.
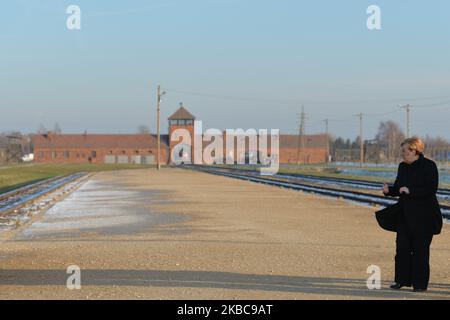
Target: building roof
(287, 141)
(311, 141)
(142, 141)
(182, 114)
(98, 141)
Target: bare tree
(390, 136)
(143, 129)
(42, 129)
(436, 142)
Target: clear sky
(233, 63)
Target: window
(181, 122)
(189, 122)
(66, 154)
(94, 154)
(54, 154)
(137, 152)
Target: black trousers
(412, 259)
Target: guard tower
(181, 119)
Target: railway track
(443, 193)
(353, 183)
(18, 198)
(282, 180)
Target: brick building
(315, 150)
(142, 148)
(98, 148)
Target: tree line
(388, 137)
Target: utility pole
(408, 119)
(158, 152)
(301, 138)
(361, 142)
(328, 141)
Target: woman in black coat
(420, 218)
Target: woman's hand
(385, 188)
(404, 190)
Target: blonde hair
(415, 144)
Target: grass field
(16, 176)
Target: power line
(367, 114)
(438, 104)
(330, 116)
(381, 114)
(309, 101)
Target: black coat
(420, 208)
(389, 217)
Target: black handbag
(388, 217)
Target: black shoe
(419, 290)
(398, 286)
